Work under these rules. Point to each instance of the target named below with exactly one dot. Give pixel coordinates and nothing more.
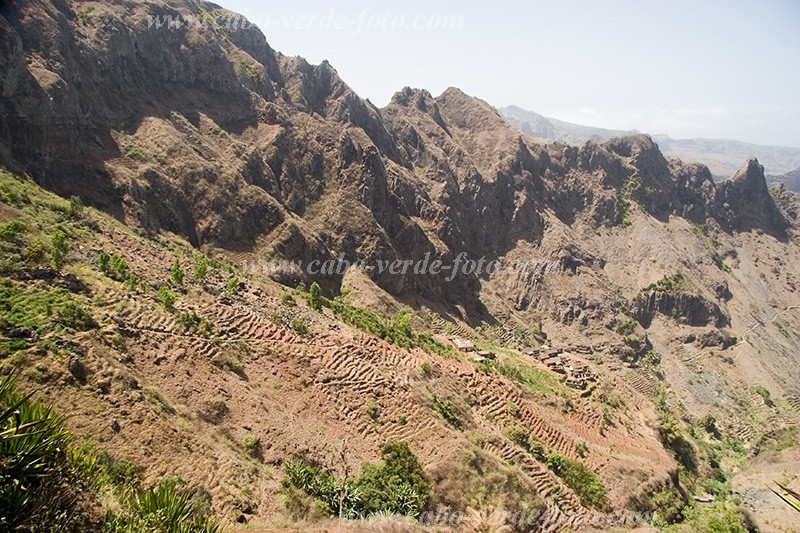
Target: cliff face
(212, 134)
(206, 131)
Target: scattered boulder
(104, 386)
(715, 338)
(76, 368)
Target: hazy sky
(684, 68)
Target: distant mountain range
(722, 156)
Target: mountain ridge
(722, 156)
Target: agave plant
(791, 497)
(33, 443)
(164, 509)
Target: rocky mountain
(198, 145)
(722, 156)
(554, 130)
(791, 179)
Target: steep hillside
(211, 161)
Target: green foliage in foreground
(46, 484)
(164, 508)
(33, 447)
(396, 486)
(791, 497)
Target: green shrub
(251, 445)
(668, 506)
(191, 322)
(75, 317)
(388, 330)
(287, 299)
(34, 253)
(518, 435)
(136, 151)
(712, 519)
(75, 207)
(232, 286)
(322, 485)
(513, 409)
(33, 308)
(114, 266)
(403, 321)
(672, 283)
(176, 273)
(673, 439)
(164, 508)
(626, 327)
(580, 479)
(249, 71)
(33, 447)
(167, 297)
(425, 369)
(634, 342)
(121, 472)
(372, 410)
(201, 269)
(11, 231)
(447, 411)
(233, 364)
(534, 378)
(300, 327)
(718, 489)
(315, 297)
(581, 449)
(537, 448)
(764, 393)
(60, 249)
(397, 486)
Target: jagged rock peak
(456, 97)
(633, 146)
(744, 201)
(751, 172)
(410, 95)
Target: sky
(683, 68)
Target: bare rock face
(744, 202)
(691, 309)
(211, 134)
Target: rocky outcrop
(691, 309)
(744, 203)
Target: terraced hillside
(176, 390)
